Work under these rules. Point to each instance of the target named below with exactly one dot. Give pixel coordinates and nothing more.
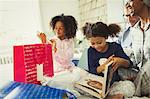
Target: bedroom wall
(51, 8)
(19, 21)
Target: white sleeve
(147, 45)
(64, 53)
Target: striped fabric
(33, 91)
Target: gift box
(32, 62)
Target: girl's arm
(93, 61)
(119, 62)
(115, 62)
(120, 59)
(43, 38)
(104, 63)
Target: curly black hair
(69, 22)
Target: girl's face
(99, 43)
(59, 29)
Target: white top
(62, 58)
(141, 44)
(147, 45)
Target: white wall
(51, 8)
(115, 11)
(19, 21)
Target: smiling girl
(100, 48)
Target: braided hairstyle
(101, 29)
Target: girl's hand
(103, 66)
(42, 36)
(53, 43)
(116, 63)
